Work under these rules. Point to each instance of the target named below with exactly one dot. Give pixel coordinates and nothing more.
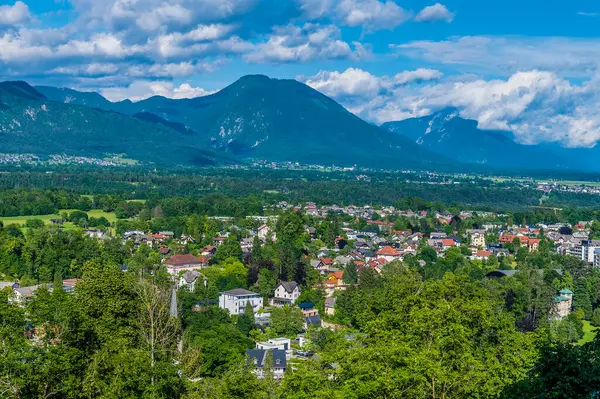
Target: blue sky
(530, 67)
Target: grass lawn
(21, 220)
(589, 333)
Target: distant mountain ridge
(31, 123)
(258, 117)
(446, 133)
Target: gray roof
(239, 292)
(259, 355)
(289, 286)
(313, 320)
(191, 276)
(330, 302)
(501, 273)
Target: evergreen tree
(246, 320)
(368, 279)
(581, 297)
(350, 274)
(596, 318)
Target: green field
(589, 333)
(21, 220)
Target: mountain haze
(447, 134)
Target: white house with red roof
(184, 263)
(389, 254)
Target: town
(298, 269)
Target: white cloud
(303, 44)
(142, 89)
(372, 15)
(436, 12)
(14, 15)
(587, 14)
(537, 106)
(158, 17)
(351, 82)
(418, 75)
(571, 57)
(354, 82)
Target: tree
(596, 318)
(266, 282)
(229, 249)
(246, 321)
(287, 321)
(595, 230)
(368, 279)
(157, 326)
(581, 297)
(428, 254)
(350, 274)
(256, 250)
(34, 223)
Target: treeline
(293, 186)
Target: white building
(286, 292)
(235, 301)
(264, 232)
(284, 344)
(478, 239)
(258, 358)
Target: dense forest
(341, 188)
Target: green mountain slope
(279, 120)
(31, 123)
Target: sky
(530, 67)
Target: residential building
(189, 278)
(286, 293)
(478, 239)
(284, 344)
(264, 232)
(389, 254)
(330, 306)
(185, 262)
(258, 357)
(235, 301)
(562, 304)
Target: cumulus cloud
(355, 82)
(142, 89)
(571, 57)
(14, 15)
(436, 12)
(302, 44)
(537, 106)
(372, 15)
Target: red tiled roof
(483, 254)
(185, 259)
(327, 261)
(388, 251)
(448, 242)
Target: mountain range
(254, 118)
(257, 118)
(460, 140)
